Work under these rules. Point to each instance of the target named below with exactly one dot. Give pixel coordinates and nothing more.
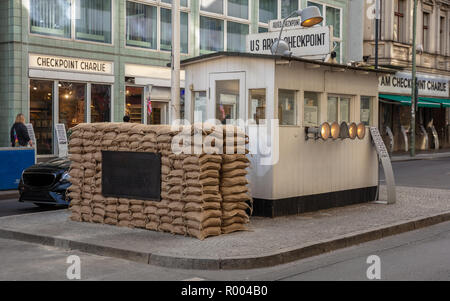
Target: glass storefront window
(211, 35)
(200, 106)
(238, 8)
(166, 30)
(41, 114)
(257, 109)
(365, 110)
(183, 3)
(93, 20)
(141, 25)
(344, 108)
(236, 35)
(332, 109)
(100, 103)
(72, 103)
(227, 100)
(268, 10)
(133, 103)
(50, 17)
(311, 109)
(287, 107)
(287, 7)
(212, 6)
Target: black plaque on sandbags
(133, 175)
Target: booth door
(227, 97)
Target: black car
(46, 183)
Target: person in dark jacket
(19, 133)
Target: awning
(445, 102)
(406, 100)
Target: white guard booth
(291, 174)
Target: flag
(149, 106)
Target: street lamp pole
(175, 64)
(412, 147)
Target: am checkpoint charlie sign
(303, 42)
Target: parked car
(46, 183)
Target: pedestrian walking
(19, 133)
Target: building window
(287, 7)
(93, 20)
(426, 32)
(51, 17)
(257, 109)
(133, 104)
(200, 106)
(366, 110)
(268, 10)
(311, 109)
(224, 25)
(183, 3)
(211, 35)
(166, 30)
(100, 103)
(41, 114)
(332, 17)
(399, 19)
(236, 34)
(338, 109)
(141, 25)
(287, 107)
(442, 40)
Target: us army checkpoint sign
(303, 42)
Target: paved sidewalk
(420, 156)
(270, 241)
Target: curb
(5, 195)
(262, 261)
(418, 157)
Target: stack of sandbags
(174, 221)
(233, 182)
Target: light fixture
(310, 16)
(34, 88)
(66, 96)
(352, 130)
(335, 129)
(323, 131)
(343, 131)
(361, 131)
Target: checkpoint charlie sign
(58, 63)
(303, 42)
(401, 82)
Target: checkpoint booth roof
(293, 171)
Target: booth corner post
(175, 76)
(413, 89)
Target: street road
(432, 173)
(14, 207)
(418, 255)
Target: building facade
(433, 70)
(73, 61)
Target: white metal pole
(175, 77)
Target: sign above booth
(312, 41)
(292, 23)
(401, 83)
(58, 63)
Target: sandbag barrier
(203, 193)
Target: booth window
(311, 109)
(166, 30)
(338, 109)
(72, 103)
(200, 106)
(287, 107)
(133, 103)
(50, 17)
(141, 25)
(93, 22)
(100, 103)
(211, 35)
(365, 110)
(257, 108)
(227, 100)
(41, 114)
